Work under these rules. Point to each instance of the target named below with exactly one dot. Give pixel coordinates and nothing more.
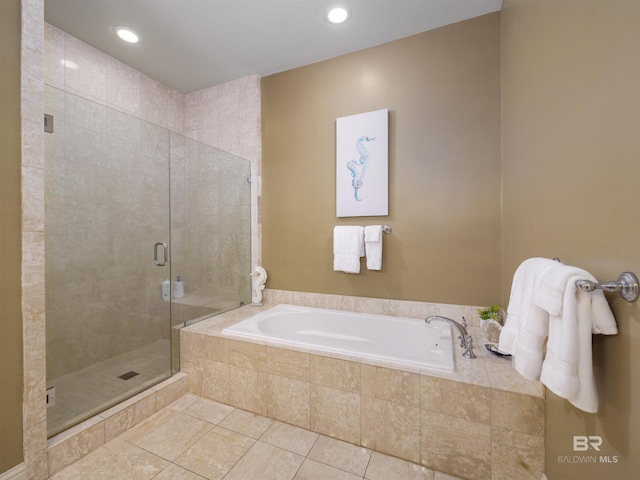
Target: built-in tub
(402, 341)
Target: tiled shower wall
(228, 117)
(75, 67)
(47, 54)
(225, 116)
(34, 415)
(210, 228)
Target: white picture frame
(362, 164)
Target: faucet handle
(469, 353)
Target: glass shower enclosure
(129, 207)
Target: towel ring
(626, 285)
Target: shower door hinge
(51, 396)
(48, 123)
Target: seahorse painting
(359, 167)
(362, 164)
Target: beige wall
(569, 91)
(571, 124)
(10, 238)
(442, 89)
(570, 111)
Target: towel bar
(386, 229)
(626, 285)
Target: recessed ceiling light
(337, 14)
(126, 34)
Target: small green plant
(493, 312)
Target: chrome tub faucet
(466, 342)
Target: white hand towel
(549, 296)
(373, 246)
(348, 247)
(602, 319)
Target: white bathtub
(401, 341)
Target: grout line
(241, 457)
(299, 468)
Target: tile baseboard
(19, 472)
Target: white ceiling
(190, 45)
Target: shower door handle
(163, 262)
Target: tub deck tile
(335, 413)
(248, 355)
(248, 390)
(445, 445)
(335, 373)
(391, 428)
(289, 400)
(420, 415)
(288, 363)
(392, 385)
(471, 402)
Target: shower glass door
(129, 208)
(106, 206)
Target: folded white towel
(348, 247)
(373, 246)
(568, 366)
(526, 326)
(545, 302)
(551, 291)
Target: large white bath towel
(348, 247)
(373, 246)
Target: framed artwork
(362, 164)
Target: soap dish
(493, 349)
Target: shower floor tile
(190, 440)
(84, 393)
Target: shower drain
(128, 375)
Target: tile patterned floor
(195, 438)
